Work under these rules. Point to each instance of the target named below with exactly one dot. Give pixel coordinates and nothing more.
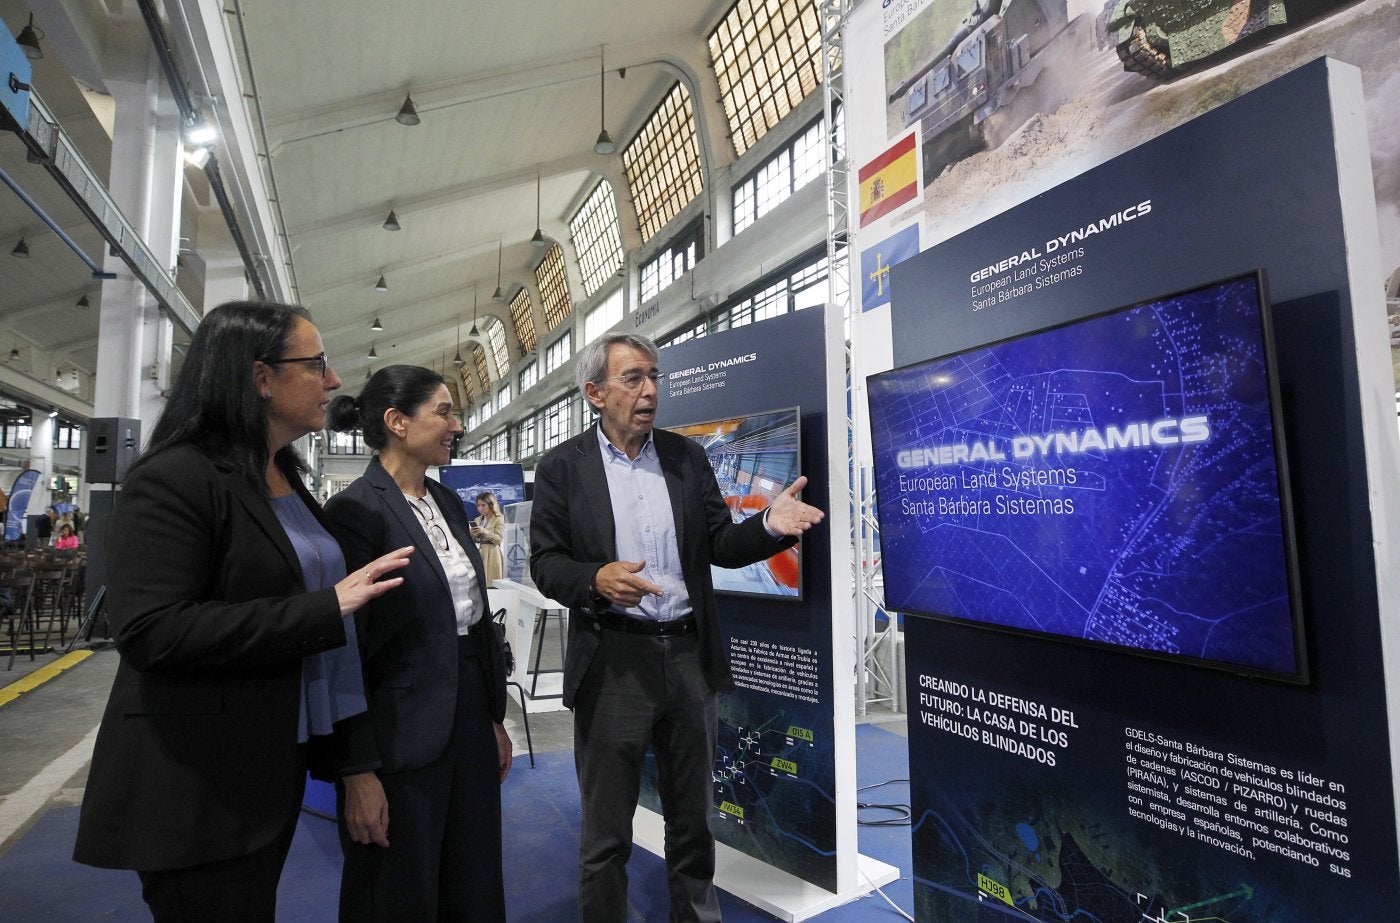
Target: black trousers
(443, 861)
(645, 692)
(241, 890)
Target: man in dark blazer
(625, 524)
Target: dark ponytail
(402, 387)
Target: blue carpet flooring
(41, 882)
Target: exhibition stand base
(785, 896)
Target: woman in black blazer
(221, 579)
(419, 804)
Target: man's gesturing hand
(788, 515)
(619, 582)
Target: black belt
(668, 629)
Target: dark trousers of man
(443, 861)
(241, 890)
(645, 691)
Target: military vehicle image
(1163, 38)
(991, 56)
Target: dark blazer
(572, 535)
(408, 636)
(197, 757)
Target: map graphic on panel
(1113, 480)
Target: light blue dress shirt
(646, 528)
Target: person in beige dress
(488, 531)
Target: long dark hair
(402, 387)
(214, 404)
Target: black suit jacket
(572, 535)
(197, 757)
(408, 636)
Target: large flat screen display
(1118, 480)
(754, 457)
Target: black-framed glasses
(430, 525)
(633, 380)
(319, 359)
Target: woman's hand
(365, 584)
(366, 809)
(505, 750)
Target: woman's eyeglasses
(430, 525)
(320, 361)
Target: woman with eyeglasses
(229, 603)
(419, 801)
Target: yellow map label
(800, 733)
(994, 888)
(729, 807)
(783, 765)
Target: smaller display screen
(1117, 480)
(754, 457)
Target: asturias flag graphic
(875, 263)
(889, 180)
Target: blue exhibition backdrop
(19, 504)
(1056, 781)
(775, 789)
(506, 481)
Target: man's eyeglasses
(320, 361)
(435, 531)
(633, 380)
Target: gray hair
(592, 363)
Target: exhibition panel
(1059, 780)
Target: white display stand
(525, 606)
(785, 896)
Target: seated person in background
(65, 537)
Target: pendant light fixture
(473, 332)
(381, 285)
(391, 223)
(408, 113)
(499, 294)
(538, 239)
(372, 353)
(376, 326)
(83, 301)
(28, 39)
(21, 250)
(457, 359)
(604, 144)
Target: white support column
(41, 458)
(146, 183)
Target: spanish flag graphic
(889, 180)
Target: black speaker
(112, 444)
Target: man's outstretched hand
(788, 515)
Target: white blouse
(461, 575)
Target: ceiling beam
(584, 161)
(520, 77)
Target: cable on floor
(903, 813)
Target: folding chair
(16, 597)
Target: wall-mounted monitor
(1118, 480)
(754, 457)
